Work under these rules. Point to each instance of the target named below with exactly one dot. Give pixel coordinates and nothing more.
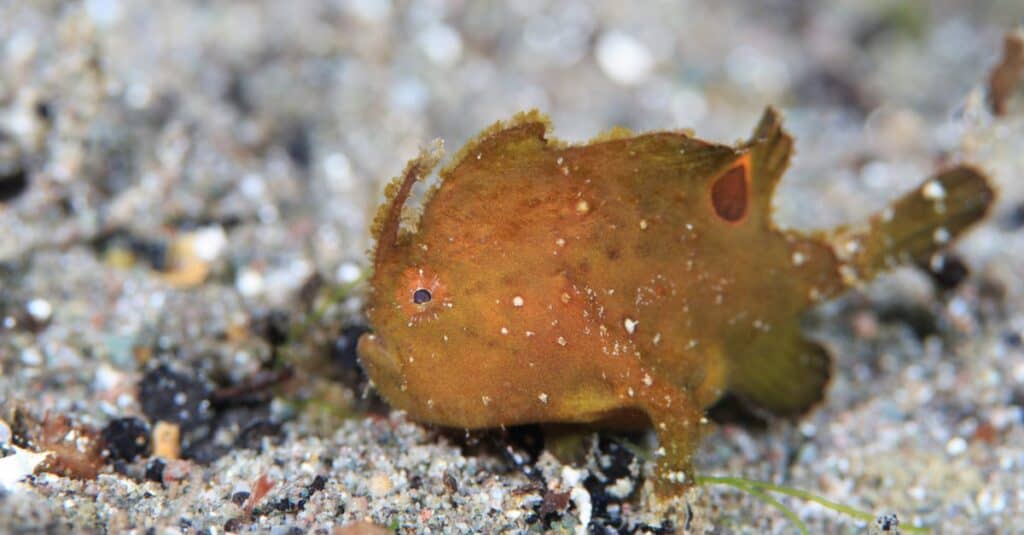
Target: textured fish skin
(628, 281)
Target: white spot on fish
(629, 391)
(486, 400)
(560, 242)
(582, 207)
(643, 224)
(657, 339)
(543, 398)
(504, 330)
(529, 333)
(517, 301)
(933, 191)
(648, 380)
(798, 258)
(561, 341)
(941, 235)
(630, 325)
(565, 297)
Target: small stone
(175, 397)
(155, 470)
(167, 440)
(380, 485)
(126, 438)
(956, 446)
(40, 310)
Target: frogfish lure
(631, 280)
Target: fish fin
(785, 378)
(387, 222)
(569, 443)
(770, 149)
(529, 127)
(915, 227)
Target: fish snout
(380, 364)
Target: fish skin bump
(628, 281)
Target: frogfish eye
(420, 296)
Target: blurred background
(138, 114)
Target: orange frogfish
(632, 280)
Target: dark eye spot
(421, 296)
(729, 194)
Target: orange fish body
(630, 279)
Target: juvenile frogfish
(631, 280)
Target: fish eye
(421, 295)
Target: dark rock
(126, 438)
(299, 147)
(13, 174)
(175, 397)
(155, 470)
(947, 270)
(344, 351)
(612, 462)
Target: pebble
(380, 485)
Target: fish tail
(915, 227)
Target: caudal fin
(917, 226)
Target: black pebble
(155, 470)
(614, 462)
(344, 351)
(13, 180)
(949, 272)
(44, 110)
(299, 147)
(1012, 339)
(175, 397)
(1016, 218)
(273, 327)
(126, 438)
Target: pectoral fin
(784, 375)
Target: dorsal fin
(388, 220)
(770, 150)
(528, 126)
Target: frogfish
(627, 282)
